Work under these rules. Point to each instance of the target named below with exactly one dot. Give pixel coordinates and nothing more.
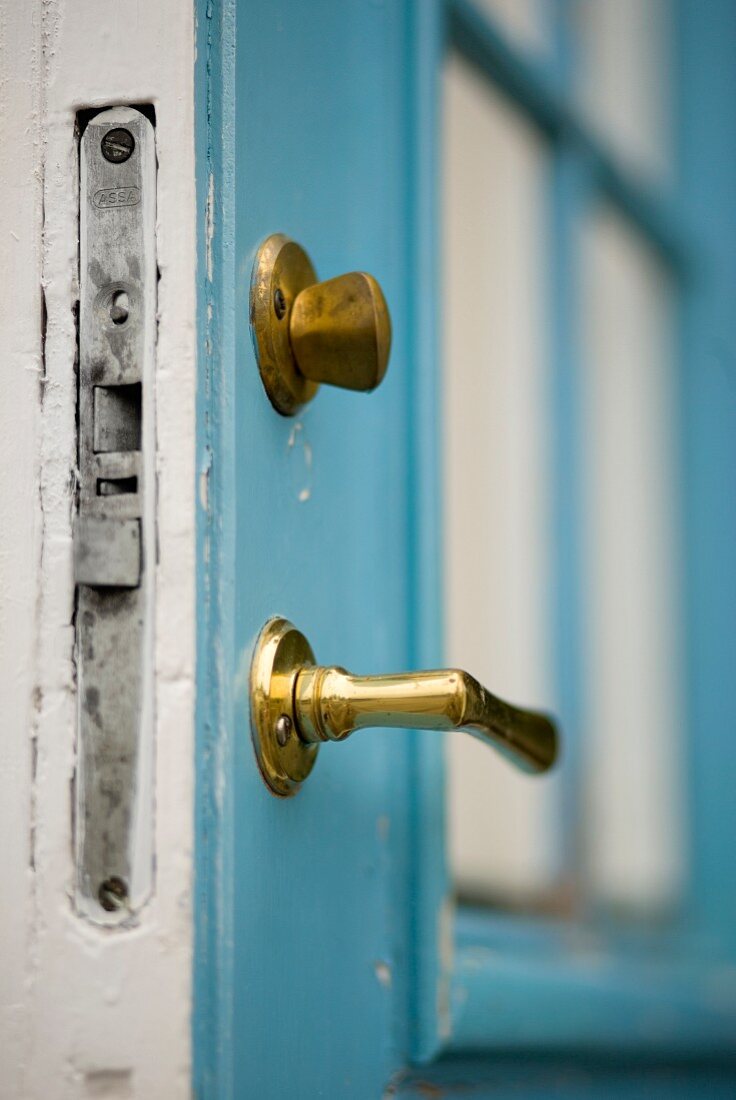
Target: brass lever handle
(296, 705)
(305, 332)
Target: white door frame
(87, 1011)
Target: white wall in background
(632, 730)
(502, 835)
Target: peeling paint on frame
(82, 1004)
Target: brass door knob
(296, 705)
(306, 332)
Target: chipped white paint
(88, 1012)
(306, 492)
(302, 450)
(383, 973)
(294, 434)
(209, 222)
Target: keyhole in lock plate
(119, 307)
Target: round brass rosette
(284, 759)
(281, 271)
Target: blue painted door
(307, 517)
(325, 962)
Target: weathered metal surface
(114, 531)
(107, 552)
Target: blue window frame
(515, 983)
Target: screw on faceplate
(283, 730)
(113, 894)
(279, 302)
(117, 145)
(119, 307)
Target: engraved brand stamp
(116, 196)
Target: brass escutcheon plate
(281, 271)
(284, 760)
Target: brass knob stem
(340, 332)
(328, 704)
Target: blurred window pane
(623, 84)
(633, 824)
(502, 828)
(525, 22)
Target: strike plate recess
(114, 530)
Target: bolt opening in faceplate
(113, 894)
(119, 307)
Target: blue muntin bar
(531, 86)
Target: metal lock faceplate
(114, 528)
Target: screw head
(119, 308)
(117, 145)
(113, 894)
(283, 730)
(279, 302)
